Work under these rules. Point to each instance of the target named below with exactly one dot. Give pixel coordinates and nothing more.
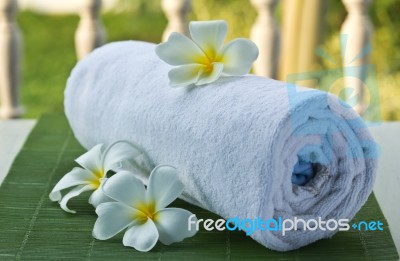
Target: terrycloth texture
(235, 142)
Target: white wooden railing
(358, 30)
(90, 33)
(10, 57)
(265, 33)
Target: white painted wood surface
(13, 133)
(90, 33)
(356, 31)
(387, 184)
(175, 11)
(10, 57)
(265, 34)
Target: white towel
(235, 142)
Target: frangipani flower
(143, 211)
(204, 58)
(96, 163)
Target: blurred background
(48, 30)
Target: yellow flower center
(207, 60)
(99, 173)
(208, 67)
(147, 210)
(96, 181)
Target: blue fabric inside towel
(302, 173)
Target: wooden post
(265, 34)
(10, 55)
(311, 24)
(290, 37)
(175, 11)
(90, 33)
(356, 31)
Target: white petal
(179, 50)
(98, 196)
(141, 237)
(211, 76)
(209, 35)
(184, 75)
(238, 56)
(77, 176)
(126, 188)
(172, 225)
(113, 218)
(118, 154)
(73, 193)
(164, 186)
(91, 160)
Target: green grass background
(49, 52)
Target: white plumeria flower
(96, 164)
(204, 58)
(143, 211)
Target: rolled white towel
(235, 142)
